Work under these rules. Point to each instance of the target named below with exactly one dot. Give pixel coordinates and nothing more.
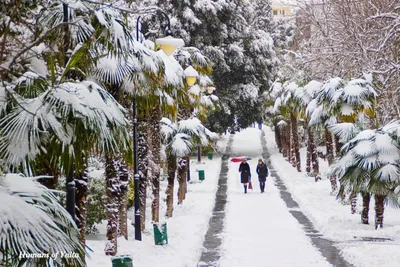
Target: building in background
(283, 9)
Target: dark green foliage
(95, 204)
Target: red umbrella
(240, 159)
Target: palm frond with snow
(25, 129)
(345, 131)
(181, 144)
(372, 157)
(34, 222)
(358, 92)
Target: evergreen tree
(235, 36)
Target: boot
(245, 189)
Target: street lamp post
(168, 45)
(191, 75)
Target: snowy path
(259, 230)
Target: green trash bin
(210, 155)
(160, 233)
(122, 261)
(201, 175)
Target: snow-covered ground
(259, 231)
(334, 220)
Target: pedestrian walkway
(260, 229)
(212, 240)
(327, 248)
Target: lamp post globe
(191, 75)
(169, 44)
(210, 90)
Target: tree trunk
(338, 145)
(181, 177)
(292, 155)
(286, 136)
(123, 205)
(296, 145)
(278, 137)
(156, 170)
(329, 155)
(365, 212)
(112, 206)
(353, 202)
(329, 146)
(81, 183)
(379, 210)
(309, 148)
(143, 161)
(170, 188)
(314, 154)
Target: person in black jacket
(245, 175)
(262, 171)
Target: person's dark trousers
(262, 186)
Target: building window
(282, 12)
(275, 12)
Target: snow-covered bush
(95, 201)
(95, 204)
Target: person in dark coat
(245, 175)
(262, 171)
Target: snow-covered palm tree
(179, 138)
(307, 95)
(61, 126)
(289, 106)
(33, 222)
(322, 112)
(370, 163)
(279, 122)
(342, 101)
(65, 114)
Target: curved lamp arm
(168, 31)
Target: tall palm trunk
(329, 146)
(296, 145)
(314, 154)
(286, 141)
(112, 205)
(143, 161)
(330, 156)
(171, 161)
(309, 148)
(185, 112)
(156, 168)
(338, 145)
(81, 182)
(181, 177)
(292, 155)
(365, 212)
(278, 137)
(123, 205)
(379, 210)
(353, 201)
